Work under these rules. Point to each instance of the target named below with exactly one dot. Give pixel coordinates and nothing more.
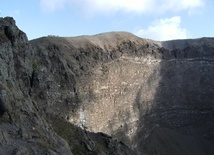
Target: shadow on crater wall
(173, 107)
(180, 119)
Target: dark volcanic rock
(105, 94)
(23, 130)
(133, 89)
(25, 127)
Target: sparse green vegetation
(35, 65)
(21, 98)
(45, 144)
(68, 132)
(9, 84)
(77, 150)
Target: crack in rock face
(3, 109)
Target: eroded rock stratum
(112, 93)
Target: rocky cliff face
(112, 93)
(25, 128)
(22, 129)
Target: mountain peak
(103, 40)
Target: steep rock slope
(156, 97)
(24, 127)
(60, 95)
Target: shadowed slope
(134, 89)
(153, 97)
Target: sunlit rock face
(28, 122)
(119, 92)
(112, 93)
(150, 95)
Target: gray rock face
(105, 94)
(22, 129)
(25, 128)
(133, 89)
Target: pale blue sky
(153, 19)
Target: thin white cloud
(177, 5)
(52, 5)
(137, 6)
(109, 6)
(144, 6)
(164, 29)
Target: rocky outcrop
(24, 127)
(105, 94)
(133, 89)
